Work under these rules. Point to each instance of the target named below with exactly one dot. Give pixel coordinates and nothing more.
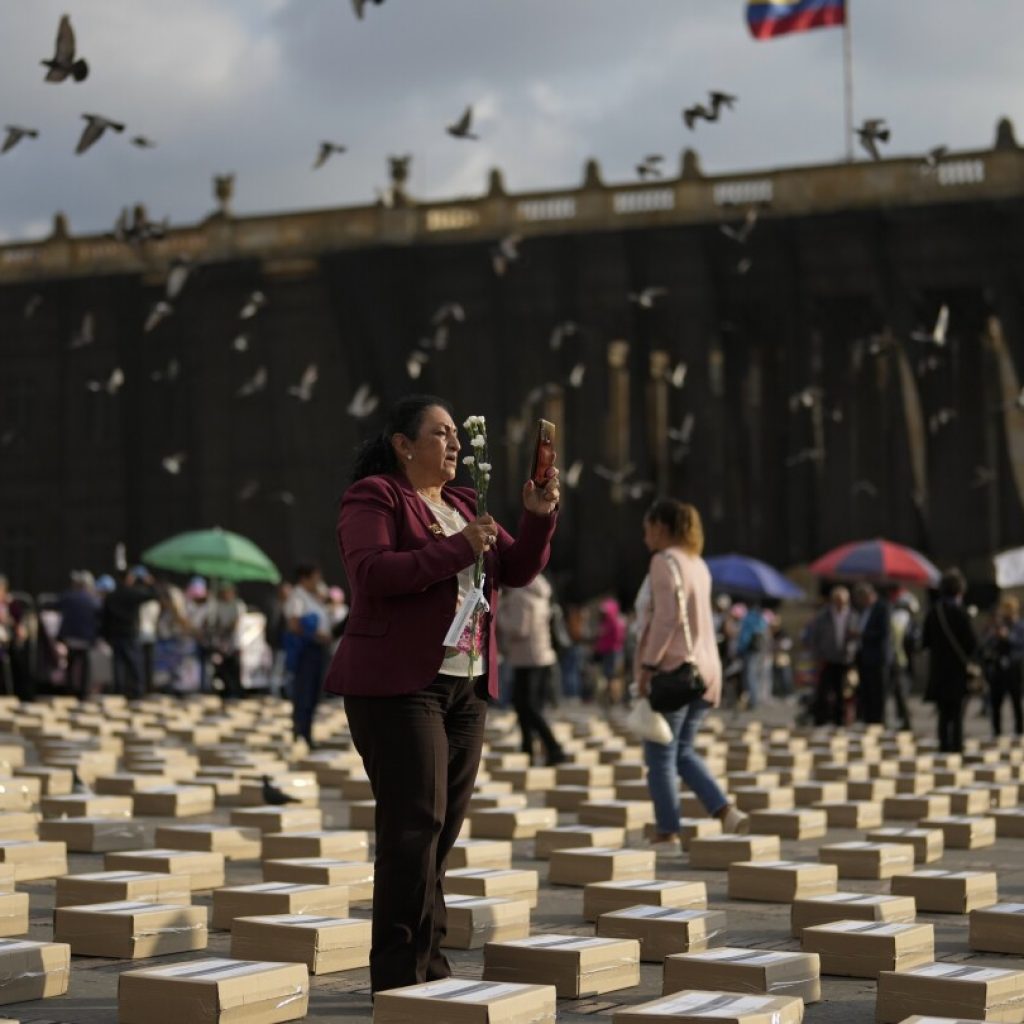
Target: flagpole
(848, 79)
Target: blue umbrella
(737, 574)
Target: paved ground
(344, 997)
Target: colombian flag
(770, 18)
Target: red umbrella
(878, 560)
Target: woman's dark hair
(952, 583)
(404, 417)
(681, 520)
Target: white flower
(469, 461)
(478, 441)
(485, 467)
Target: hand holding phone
(543, 452)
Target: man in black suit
(874, 651)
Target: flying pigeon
(63, 62)
(174, 463)
(462, 129)
(86, 333)
(141, 142)
(325, 153)
(177, 277)
(303, 391)
(741, 235)
(566, 329)
(255, 384)
(157, 315)
(256, 301)
(647, 297)
(35, 300)
(505, 253)
(359, 6)
(871, 132)
(15, 133)
(93, 131)
(363, 402)
(937, 335)
(112, 385)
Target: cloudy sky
(253, 85)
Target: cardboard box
(914, 808)
(998, 929)
(205, 870)
(605, 897)
(582, 866)
(852, 814)
(871, 790)
(964, 833)
(271, 898)
(86, 806)
(481, 853)
(19, 794)
(348, 844)
(718, 852)
(1010, 823)
(174, 802)
(780, 881)
(863, 949)
(278, 819)
(928, 843)
(859, 859)
(631, 815)
(584, 775)
(720, 1007)
(33, 861)
(850, 906)
(324, 944)
(458, 1001)
(493, 882)
(948, 892)
(130, 930)
(122, 886)
(8, 878)
(575, 966)
(234, 842)
(54, 781)
(497, 801)
(128, 784)
(474, 921)
(664, 930)
(22, 825)
(977, 993)
(519, 824)
(915, 782)
(753, 798)
(570, 837)
(964, 800)
(14, 913)
(806, 823)
(215, 991)
(571, 798)
(94, 835)
(357, 875)
(526, 780)
(695, 828)
(33, 970)
(728, 969)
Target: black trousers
(871, 692)
(79, 673)
(306, 685)
(529, 686)
(421, 752)
(830, 705)
(951, 724)
(898, 689)
(127, 653)
(228, 669)
(1002, 684)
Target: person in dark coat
(79, 627)
(1003, 656)
(950, 638)
(120, 628)
(874, 651)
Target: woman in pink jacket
(675, 537)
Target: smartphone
(543, 452)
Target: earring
(409, 457)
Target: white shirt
(456, 659)
(301, 603)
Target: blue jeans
(306, 684)
(668, 761)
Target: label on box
(660, 912)
(467, 991)
(274, 887)
(473, 901)
(645, 885)
(956, 971)
(869, 927)
(209, 969)
(560, 941)
(122, 907)
(708, 1005)
(745, 956)
(778, 864)
(850, 897)
(8, 946)
(1006, 908)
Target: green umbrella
(218, 553)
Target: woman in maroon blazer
(409, 539)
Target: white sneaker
(735, 822)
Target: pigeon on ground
(63, 62)
(463, 128)
(275, 796)
(77, 785)
(327, 149)
(94, 130)
(871, 132)
(15, 133)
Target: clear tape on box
(9, 977)
(152, 933)
(941, 1007)
(293, 997)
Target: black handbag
(673, 690)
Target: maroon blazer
(402, 576)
